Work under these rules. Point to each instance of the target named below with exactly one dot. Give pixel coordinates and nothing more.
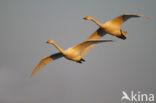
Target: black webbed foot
(122, 35)
(82, 60)
(79, 62)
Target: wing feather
(45, 61)
(118, 21)
(84, 47)
(97, 34)
(96, 41)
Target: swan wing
(45, 61)
(84, 47)
(97, 34)
(86, 50)
(118, 21)
(93, 42)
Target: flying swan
(75, 53)
(113, 26)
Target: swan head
(50, 42)
(87, 18)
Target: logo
(137, 96)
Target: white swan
(75, 53)
(113, 26)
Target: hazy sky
(26, 25)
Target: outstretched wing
(84, 51)
(84, 47)
(97, 34)
(118, 21)
(45, 61)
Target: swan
(75, 53)
(113, 26)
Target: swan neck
(97, 22)
(61, 50)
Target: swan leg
(122, 35)
(79, 62)
(82, 60)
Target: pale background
(26, 25)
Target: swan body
(113, 26)
(72, 54)
(75, 53)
